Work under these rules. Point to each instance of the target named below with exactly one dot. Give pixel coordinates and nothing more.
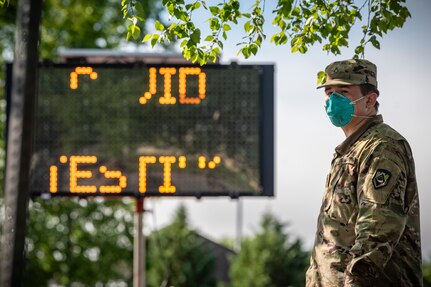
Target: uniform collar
(348, 142)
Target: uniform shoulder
(385, 141)
(382, 140)
(385, 132)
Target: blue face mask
(340, 109)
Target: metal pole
(19, 139)
(238, 225)
(139, 246)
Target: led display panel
(159, 130)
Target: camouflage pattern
(350, 72)
(368, 231)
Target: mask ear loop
(357, 100)
(364, 117)
(356, 116)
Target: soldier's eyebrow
(345, 89)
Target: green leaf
(226, 27)
(212, 58)
(197, 5)
(253, 49)
(303, 49)
(275, 38)
(235, 5)
(186, 54)
(196, 36)
(202, 57)
(296, 12)
(375, 42)
(133, 31)
(246, 52)
(181, 15)
(321, 77)
(195, 57)
(209, 38)
(159, 26)
(190, 44)
(216, 51)
(247, 26)
(190, 25)
(136, 32)
(258, 40)
(147, 37)
(283, 39)
(214, 24)
(153, 42)
(154, 39)
(171, 9)
(214, 10)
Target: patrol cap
(350, 72)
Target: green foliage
(177, 256)
(223, 15)
(321, 77)
(228, 242)
(270, 259)
(80, 241)
(78, 24)
(426, 269)
(301, 24)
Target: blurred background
(89, 242)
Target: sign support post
(139, 245)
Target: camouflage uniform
(368, 231)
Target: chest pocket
(340, 194)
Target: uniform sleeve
(381, 217)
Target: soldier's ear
(371, 100)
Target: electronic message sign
(159, 130)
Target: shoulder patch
(381, 178)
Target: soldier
(368, 231)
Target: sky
(305, 139)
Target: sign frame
(266, 132)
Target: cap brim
(337, 82)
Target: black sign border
(266, 132)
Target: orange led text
(167, 98)
(81, 71)
(86, 168)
